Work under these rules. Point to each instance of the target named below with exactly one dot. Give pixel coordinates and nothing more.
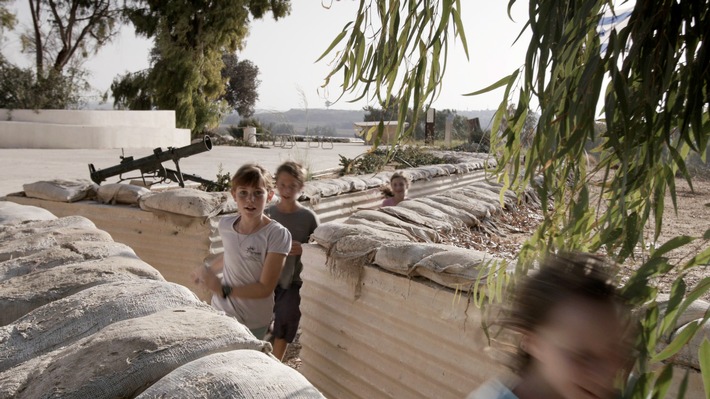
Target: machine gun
(152, 165)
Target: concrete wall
(93, 129)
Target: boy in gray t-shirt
(301, 222)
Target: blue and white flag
(616, 20)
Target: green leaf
(336, 41)
(704, 358)
(681, 339)
(673, 243)
(504, 81)
(663, 382)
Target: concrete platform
(22, 166)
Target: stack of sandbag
(119, 193)
(83, 317)
(60, 190)
(11, 212)
(188, 203)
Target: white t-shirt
(244, 256)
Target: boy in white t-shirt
(255, 249)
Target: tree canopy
(652, 78)
(190, 40)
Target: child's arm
(217, 264)
(270, 274)
(203, 274)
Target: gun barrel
(151, 163)
(192, 149)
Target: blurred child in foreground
(574, 333)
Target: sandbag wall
(176, 239)
(387, 308)
(174, 231)
(81, 316)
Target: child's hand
(296, 248)
(205, 276)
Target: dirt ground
(692, 219)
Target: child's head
(290, 178)
(252, 188)
(399, 184)
(574, 326)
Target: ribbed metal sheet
(339, 207)
(391, 337)
(175, 249)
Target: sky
(286, 50)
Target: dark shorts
(286, 312)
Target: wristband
(226, 291)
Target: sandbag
(319, 189)
(400, 257)
(186, 202)
(20, 295)
(356, 183)
(124, 358)
(27, 228)
(11, 213)
(372, 181)
(30, 244)
(486, 196)
(385, 228)
(422, 233)
(69, 319)
(463, 215)
(327, 234)
(456, 268)
(479, 208)
(244, 374)
(118, 193)
(418, 219)
(431, 212)
(344, 186)
(59, 190)
(72, 252)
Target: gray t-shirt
(244, 256)
(301, 224)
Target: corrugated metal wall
(393, 338)
(174, 246)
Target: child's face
(289, 187)
(251, 200)
(398, 185)
(580, 351)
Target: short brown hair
(252, 175)
(294, 169)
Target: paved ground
(22, 166)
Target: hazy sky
(285, 52)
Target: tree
(65, 29)
(242, 84)
(656, 104)
(190, 40)
(20, 88)
(7, 19)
